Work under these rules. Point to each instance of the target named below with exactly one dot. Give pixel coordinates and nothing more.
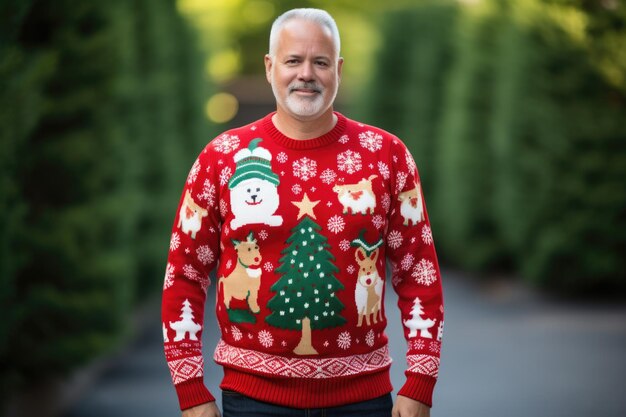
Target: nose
(254, 196)
(306, 71)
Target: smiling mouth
(254, 203)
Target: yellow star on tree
(305, 206)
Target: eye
(248, 190)
(258, 189)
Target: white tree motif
(371, 141)
(185, 325)
(424, 272)
(416, 322)
(305, 169)
(344, 340)
(349, 162)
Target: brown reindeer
(369, 287)
(245, 280)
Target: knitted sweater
(299, 231)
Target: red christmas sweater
(299, 231)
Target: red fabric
(344, 204)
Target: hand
(203, 410)
(407, 407)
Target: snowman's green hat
(253, 162)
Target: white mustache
(305, 86)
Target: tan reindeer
(245, 280)
(368, 292)
(357, 198)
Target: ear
(235, 242)
(359, 255)
(268, 68)
(339, 68)
(374, 255)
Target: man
(299, 212)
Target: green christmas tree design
(305, 293)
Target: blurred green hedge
(515, 114)
(101, 117)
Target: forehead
(299, 36)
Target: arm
(193, 253)
(417, 281)
(203, 410)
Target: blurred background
(515, 112)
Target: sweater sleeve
(416, 276)
(193, 253)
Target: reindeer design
(244, 281)
(368, 292)
(357, 198)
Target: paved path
(507, 353)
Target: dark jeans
(237, 405)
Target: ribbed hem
(419, 388)
(308, 392)
(192, 393)
(302, 144)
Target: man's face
(305, 70)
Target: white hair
(318, 16)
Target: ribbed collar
(300, 144)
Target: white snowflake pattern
(208, 193)
(305, 169)
(296, 189)
(265, 338)
(229, 264)
(396, 279)
(253, 128)
(336, 224)
(326, 344)
(378, 221)
(191, 273)
(407, 262)
(417, 344)
(225, 175)
(383, 168)
(344, 340)
(351, 269)
(369, 338)
(434, 346)
(268, 266)
(282, 157)
(226, 143)
(193, 173)
(386, 202)
(349, 162)
(400, 181)
(237, 335)
(344, 139)
(223, 208)
(344, 245)
(394, 239)
(174, 241)
(328, 176)
(427, 235)
(424, 272)
(263, 234)
(371, 141)
(169, 276)
(410, 162)
(329, 204)
(205, 254)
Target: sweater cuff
(419, 388)
(192, 393)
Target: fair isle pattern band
(186, 368)
(423, 364)
(302, 367)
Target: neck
(304, 128)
